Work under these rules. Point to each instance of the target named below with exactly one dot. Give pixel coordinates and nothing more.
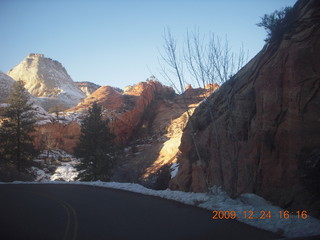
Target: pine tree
(277, 23)
(95, 148)
(16, 145)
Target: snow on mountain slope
(87, 87)
(6, 83)
(47, 79)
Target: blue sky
(117, 42)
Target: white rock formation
(87, 87)
(48, 80)
(6, 84)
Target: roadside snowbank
(67, 172)
(216, 200)
(64, 166)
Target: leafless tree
(204, 61)
(175, 63)
(172, 70)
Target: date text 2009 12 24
(285, 214)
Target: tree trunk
(18, 145)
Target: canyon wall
(260, 132)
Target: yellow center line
(71, 215)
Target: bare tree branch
(206, 61)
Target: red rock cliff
(260, 132)
(126, 109)
(143, 94)
(57, 136)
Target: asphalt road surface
(85, 212)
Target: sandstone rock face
(167, 155)
(87, 87)
(143, 95)
(48, 79)
(106, 96)
(173, 117)
(260, 132)
(154, 144)
(57, 136)
(6, 83)
(126, 109)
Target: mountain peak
(48, 79)
(35, 55)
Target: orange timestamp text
(263, 214)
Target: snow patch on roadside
(40, 175)
(67, 172)
(61, 164)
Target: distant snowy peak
(48, 79)
(6, 83)
(87, 87)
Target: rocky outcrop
(87, 87)
(47, 79)
(106, 96)
(143, 95)
(195, 95)
(260, 132)
(125, 110)
(173, 116)
(56, 135)
(154, 144)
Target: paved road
(84, 212)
